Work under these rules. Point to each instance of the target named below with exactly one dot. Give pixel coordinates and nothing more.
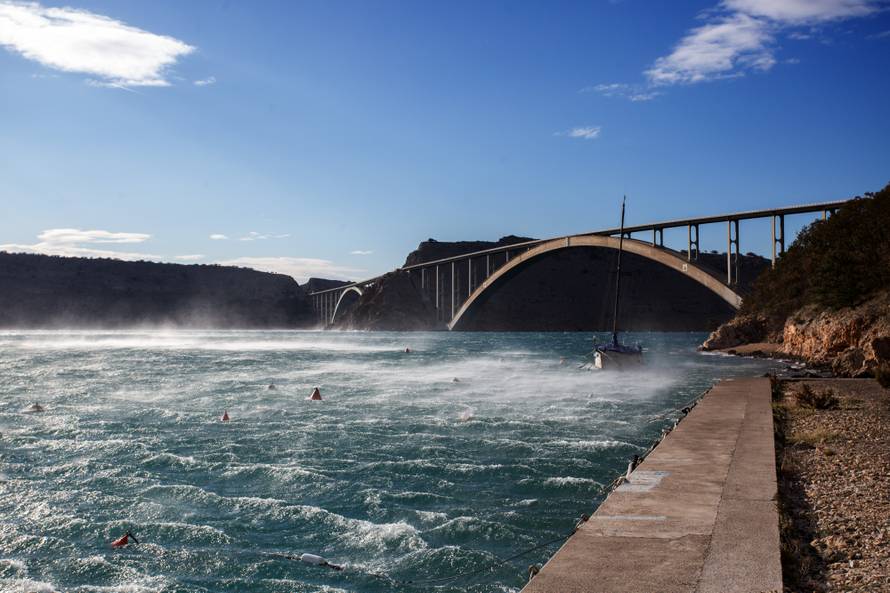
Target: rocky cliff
(40, 291)
(852, 341)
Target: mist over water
(400, 470)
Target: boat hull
(615, 360)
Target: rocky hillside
(40, 291)
(431, 250)
(393, 303)
(827, 300)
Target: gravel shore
(833, 438)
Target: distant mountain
(431, 250)
(316, 284)
(41, 291)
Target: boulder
(743, 329)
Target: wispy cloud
(300, 268)
(740, 36)
(193, 257)
(205, 81)
(720, 49)
(218, 237)
(881, 35)
(255, 236)
(583, 132)
(631, 92)
(80, 243)
(803, 12)
(73, 40)
(360, 252)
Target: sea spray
(400, 471)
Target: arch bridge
(455, 284)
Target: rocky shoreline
(851, 342)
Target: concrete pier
(698, 515)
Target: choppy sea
(414, 467)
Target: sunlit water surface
(399, 473)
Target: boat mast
(618, 277)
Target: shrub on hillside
(833, 263)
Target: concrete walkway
(698, 515)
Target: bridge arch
(670, 259)
(352, 290)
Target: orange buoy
(316, 395)
(124, 540)
(225, 416)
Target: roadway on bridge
(697, 516)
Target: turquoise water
(400, 471)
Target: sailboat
(615, 355)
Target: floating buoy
(124, 540)
(271, 386)
(318, 561)
(316, 395)
(407, 350)
(455, 380)
(225, 416)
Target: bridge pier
(778, 233)
(692, 236)
(453, 276)
(469, 276)
(732, 252)
(658, 237)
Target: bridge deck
(697, 516)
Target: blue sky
(328, 138)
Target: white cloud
(585, 132)
(205, 81)
(75, 40)
(300, 268)
(360, 252)
(218, 237)
(716, 50)
(255, 236)
(195, 257)
(76, 243)
(739, 36)
(803, 11)
(631, 92)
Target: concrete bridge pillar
(692, 235)
(732, 252)
(658, 237)
(469, 276)
(453, 275)
(778, 233)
